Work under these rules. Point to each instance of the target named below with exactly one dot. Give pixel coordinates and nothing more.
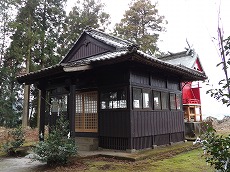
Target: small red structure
(190, 90)
(191, 101)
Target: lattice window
(86, 119)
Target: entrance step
(86, 143)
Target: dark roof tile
(109, 39)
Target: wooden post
(42, 113)
(72, 109)
(25, 114)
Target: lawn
(189, 161)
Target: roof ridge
(109, 35)
(100, 35)
(174, 55)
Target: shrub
(58, 147)
(15, 140)
(217, 149)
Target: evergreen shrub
(58, 147)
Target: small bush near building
(14, 140)
(217, 150)
(58, 147)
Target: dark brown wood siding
(158, 82)
(114, 123)
(114, 129)
(119, 143)
(140, 78)
(142, 142)
(87, 50)
(145, 123)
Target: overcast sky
(196, 21)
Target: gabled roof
(93, 42)
(114, 50)
(188, 58)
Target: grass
(189, 161)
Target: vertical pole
(72, 109)
(25, 115)
(42, 113)
(39, 104)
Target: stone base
(86, 143)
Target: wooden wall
(133, 128)
(139, 129)
(156, 128)
(114, 129)
(145, 123)
(114, 123)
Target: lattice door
(86, 119)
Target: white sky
(196, 21)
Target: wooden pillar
(72, 109)
(42, 113)
(189, 116)
(200, 114)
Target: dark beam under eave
(72, 109)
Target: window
(113, 99)
(164, 100)
(172, 101)
(146, 98)
(156, 100)
(178, 101)
(141, 98)
(137, 98)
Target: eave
(33, 77)
(184, 73)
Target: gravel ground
(21, 164)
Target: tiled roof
(179, 68)
(51, 69)
(184, 58)
(100, 57)
(154, 61)
(109, 39)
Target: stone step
(86, 143)
(88, 140)
(87, 147)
